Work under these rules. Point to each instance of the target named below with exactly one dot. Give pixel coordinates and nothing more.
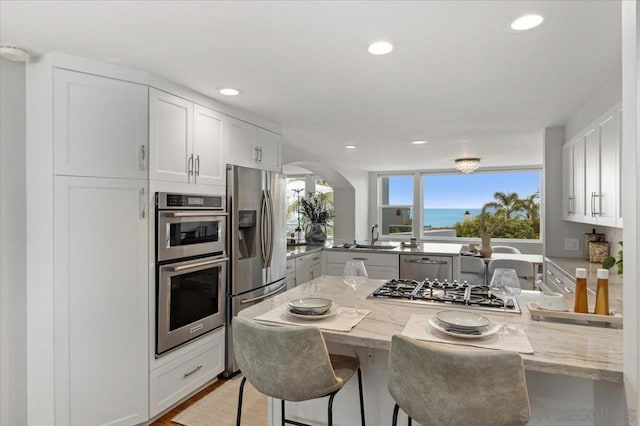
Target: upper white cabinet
(252, 146)
(185, 141)
(99, 126)
(591, 173)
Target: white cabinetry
(100, 301)
(591, 174)
(308, 267)
(291, 274)
(251, 146)
(186, 141)
(99, 126)
(378, 265)
(176, 379)
(573, 180)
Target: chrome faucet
(374, 235)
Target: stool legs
(331, 408)
(394, 421)
(244, 379)
(361, 397)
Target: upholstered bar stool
(524, 269)
(438, 386)
(292, 364)
(473, 270)
(505, 249)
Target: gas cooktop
(443, 292)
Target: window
(299, 187)
(396, 205)
(452, 202)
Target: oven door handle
(194, 214)
(195, 265)
(264, 296)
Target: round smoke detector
(13, 53)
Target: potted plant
(317, 211)
(609, 261)
(489, 223)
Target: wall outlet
(571, 244)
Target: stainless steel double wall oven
(191, 267)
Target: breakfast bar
(574, 374)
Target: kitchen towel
(418, 327)
(341, 321)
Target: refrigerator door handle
(263, 228)
(271, 227)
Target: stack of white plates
(311, 308)
(463, 324)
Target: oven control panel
(165, 200)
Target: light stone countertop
(422, 248)
(560, 348)
(568, 266)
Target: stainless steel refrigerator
(256, 203)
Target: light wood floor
(166, 419)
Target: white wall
(350, 187)
(13, 379)
(631, 201)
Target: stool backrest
(457, 387)
(505, 249)
(523, 269)
(472, 270)
(290, 363)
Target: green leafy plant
(609, 261)
(317, 208)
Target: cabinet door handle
(190, 166)
(569, 208)
(260, 152)
(597, 198)
(359, 258)
(568, 290)
(192, 371)
(256, 152)
(197, 165)
(143, 212)
(143, 157)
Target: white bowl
(463, 319)
(310, 305)
(552, 302)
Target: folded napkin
(418, 327)
(341, 321)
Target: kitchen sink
(373, 247)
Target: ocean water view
(446, 218)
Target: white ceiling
(457, 76)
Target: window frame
(418, 200)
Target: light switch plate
(571, 244)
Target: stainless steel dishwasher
(421, 267)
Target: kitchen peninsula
(575, 370)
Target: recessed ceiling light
(380, 48)
(526, 22)
(419, 142)
(351, 146)
(228, 91)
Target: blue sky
(461, 190)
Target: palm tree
(508, 203)
(531, 207)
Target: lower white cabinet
(291, 274)
(308, 267)
(100, 301)
(379, 265)
(178, 378)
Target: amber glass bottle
(580, 303)
(602, 293)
